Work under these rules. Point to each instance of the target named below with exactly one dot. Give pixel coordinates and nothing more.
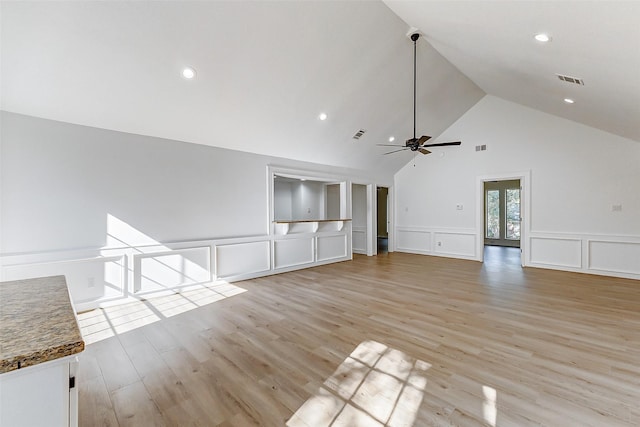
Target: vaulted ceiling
(492, 43)
(266, 70)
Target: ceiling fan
(416, 144)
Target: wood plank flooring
(392, 340)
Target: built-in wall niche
(308, 204)
(302, 199)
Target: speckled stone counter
(37, 323)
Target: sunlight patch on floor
(375, 386)
(102, 323)
(489, 407)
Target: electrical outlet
(459, 206)
(616, 208)
(439, 243)
(91, 282)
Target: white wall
(359, 206)
(308, 200)
(332, 195)
(577, 174)
(359, 217)
(60, 181)
(282, 200)
(93, 203)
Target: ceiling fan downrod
(415, 144)
(414, 38)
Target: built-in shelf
(309, 225)
(284, 221)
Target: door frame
(502, 187)
(525, 211)
(391, 217)
(390, 228)
(370, 204)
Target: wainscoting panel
(171, 269)
(457, 244)
(291, 252)
(556, 251)
(98, 276)
(610, 256)
(331, 247)
(413, 240)
(88, 279)
(242, 258)
(359, 239)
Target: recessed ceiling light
(569, 100)
(543, 37)
(323, 116)
(188, 73)
(391, 139)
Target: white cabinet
(43, 395)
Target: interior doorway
(382, 219)
(524, 248)
(502, 213)
(359, 219)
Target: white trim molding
(102, 276)
(445, 242)
(525, 209)
(607, 256)
(601, 254)
(555, 252)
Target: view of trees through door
(502, 213)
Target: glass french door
(502, 213)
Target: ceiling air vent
(359, 134)
(570, 79)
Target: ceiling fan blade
(389, 145)
(442, 144)
(395, 151)
(423, 151)
(423, 139)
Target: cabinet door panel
(35, 396)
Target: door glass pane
(493, 214)
(513, 214)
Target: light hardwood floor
(396, 340)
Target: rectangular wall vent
(570, 79)
(359, 134)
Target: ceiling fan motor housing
(412, 143)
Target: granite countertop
(37, 323)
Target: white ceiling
(492, 43)
(265, 70)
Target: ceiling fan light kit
(416, 144)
